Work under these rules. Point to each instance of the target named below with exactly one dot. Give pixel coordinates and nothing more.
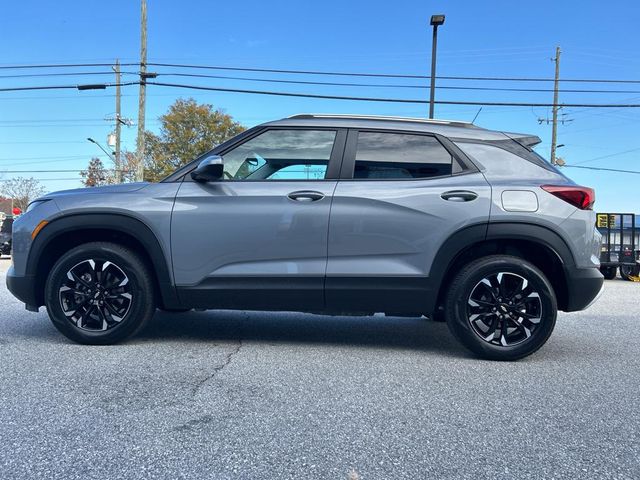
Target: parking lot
(265, 395)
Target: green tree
(187, 130)
(96, 175)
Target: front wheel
(501, 307)
(99, 293)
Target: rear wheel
(627, 271)
(99, 293)
(501, 307)
(608, 272)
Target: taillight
(580, 197)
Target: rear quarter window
(498, 163)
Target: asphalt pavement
(290, 396)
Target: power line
(604, 169)
(39, 120)
(607, 156)
(65, 157)
(57, 171)
(98, 155)
(77, 179)
(339, 84)
(100, 86)
(381, 85)
(328, 97)
(32, 142)
(57, 125)
(62, 65)
(66, 74)
(384, 75)
(318, 72)
(390, 100)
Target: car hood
(122, 188)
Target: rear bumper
(584, 286)
(23, 288)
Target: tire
(99, 272)
(608, 272)
(474, 298)
(627, 271)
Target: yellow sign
(601, 220)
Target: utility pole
(436, 21)
(143, 89)
(554, 127)
(118, 124)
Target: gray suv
(344, 215)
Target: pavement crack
(217, 369)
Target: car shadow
(415, 333)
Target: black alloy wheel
(95, 295)
(504, 309)
(501, 307)
(99, 293)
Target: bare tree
(129, 166)
(22, 190)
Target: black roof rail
(454, 123)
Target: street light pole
(436, 21)
(110, 155)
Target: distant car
(5, 235)
(326, 214)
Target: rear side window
(499, 163)
(381, 155)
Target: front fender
(122, 223)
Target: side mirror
(209, 169)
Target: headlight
(34, 204)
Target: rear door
(257, 239)
(400, 196)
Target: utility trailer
(6, 224)
(620, 245)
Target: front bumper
(584, 286)
(23, 288)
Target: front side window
(381, 155)
(281, 155)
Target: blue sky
(42, 130)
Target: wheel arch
(539, 245)
(69, 231)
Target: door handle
(459, 196)
(306, 196)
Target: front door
(257, 238)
